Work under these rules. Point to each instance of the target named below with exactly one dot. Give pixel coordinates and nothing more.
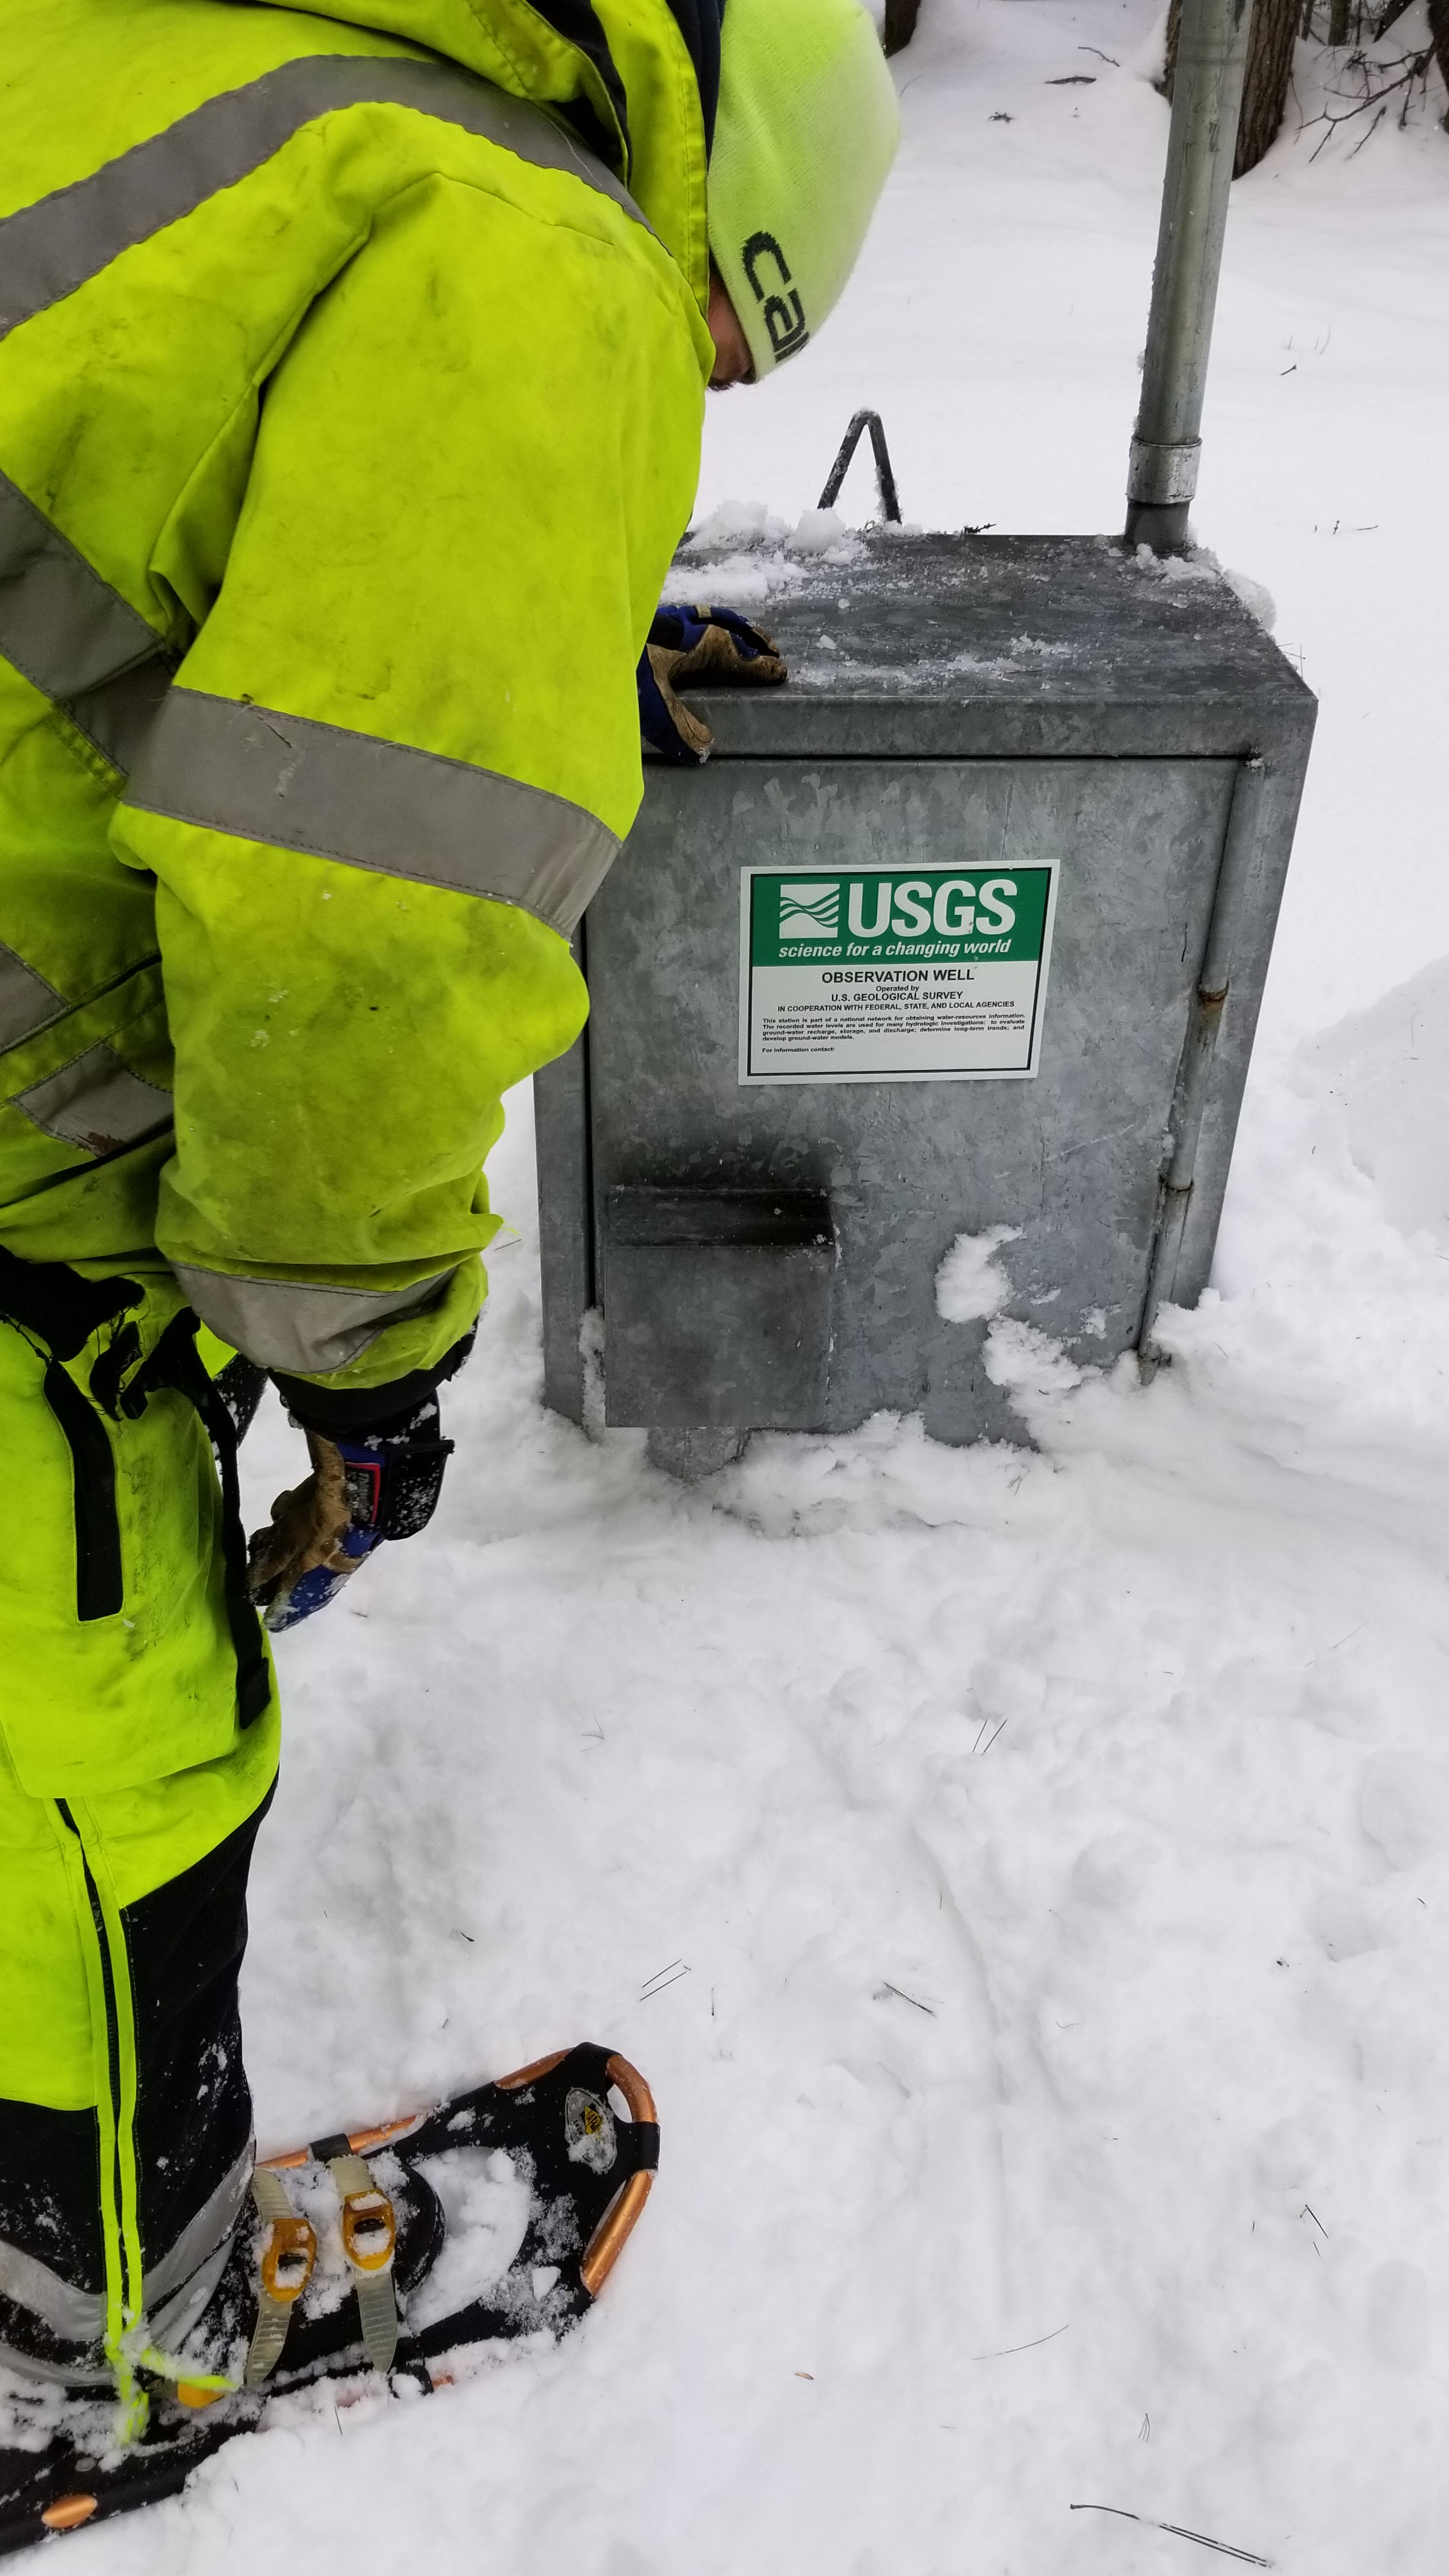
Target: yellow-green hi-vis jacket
(349, 415)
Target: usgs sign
(875, 977)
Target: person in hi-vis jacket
(352, 368)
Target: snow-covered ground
(1024, 1876)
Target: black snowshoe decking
(588, 2174)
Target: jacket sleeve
(401, 753)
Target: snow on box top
(904, 645)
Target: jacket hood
(563, 53)
(637, 79)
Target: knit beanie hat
(806, 134)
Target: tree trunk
(1439, 30)
(900, 24)
(1265, 81)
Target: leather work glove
(693, 645)
(369, 1484)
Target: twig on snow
(1008, 2349)
(663, 1977)
(1225, 2549)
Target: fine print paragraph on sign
(879, 975)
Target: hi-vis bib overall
(350, 387)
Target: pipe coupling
(1163, 472)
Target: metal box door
(1069, 1160)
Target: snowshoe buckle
(288, 2257)
(369, 2230)
(369, 2241)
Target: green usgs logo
(877, 907)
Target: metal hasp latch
(719, 1307)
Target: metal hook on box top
(885, 479)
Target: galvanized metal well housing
(766, 1252)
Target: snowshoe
(381, 2253)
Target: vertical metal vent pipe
(1207, 97)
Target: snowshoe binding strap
(289, 2252)
(369, 2241)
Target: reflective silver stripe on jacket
(176, 2290)
(50, 248)
(76, 640)
(60, 623)
(370, 804)
(26, 1000)
(303, 1331)
(77, 2316)
(63, 2374)
(212, 2226)
(171, 2323)
(117, 715)
(182, 2282)
(96, 1102)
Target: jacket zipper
(113, 2052)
